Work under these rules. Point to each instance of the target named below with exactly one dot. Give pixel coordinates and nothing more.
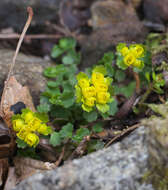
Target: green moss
(157, 176)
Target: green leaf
(98, 127)
(120, 63)
(81, 75)
(78, 94)
(110, 69)
(72, 79)
(16, 116)
(125, 90)
(56, 100)
(120, 75)
(66, 131)
(50, 72)
(100, 69)
(68, 99)
(113, 108)
(107, 58)
(28, 152)
(147, 76)
(68, 59)
(42, 116)
(53, 72)
(52, 84)
(94, 145)
(87, 108)
(67, 87)
(102, 107)
(21, 143)
(80, 134)
(120, 46)
(67, 43)
(50, 92)
(43, 108)
(72, 58)
(55, 139)
(60, 112)
(56, 51)
(104, 115)
(90, 116)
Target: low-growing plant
(78, 103)
(29, 126)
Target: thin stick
(121, 134)
(80, 149)
(31, 36)
(57, 163)
(30, 12)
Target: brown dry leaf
(3, 170)
(4, 141)
(26, 167)
(11, 179)
(13, 94)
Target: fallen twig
(122, 133)
(57, 163)
(80, 149)
(31, 36)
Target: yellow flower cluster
(92, 91)
(28, 125)
(132, 55)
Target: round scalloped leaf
(120, 46)
(100, 69)
(81, 75)
(103, 107)
(120, 63)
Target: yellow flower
(32, 139)
(124, 51)
(23, 132)
(97, 77)
(137, 63)
(138, 51)
(89, 91)
(90, 101)
(18, 124)
(101, 87)
(44, 129)
(28, 116)
(34, 124)
(103, 97)
(83, 83)
(129, 59)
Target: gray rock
(13, 12)
(113, 22)
(119, 167)
(28, 71)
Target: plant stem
(145, 96)
(137, 79)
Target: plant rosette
(29, 126)
(93, 92)
(130, 56)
